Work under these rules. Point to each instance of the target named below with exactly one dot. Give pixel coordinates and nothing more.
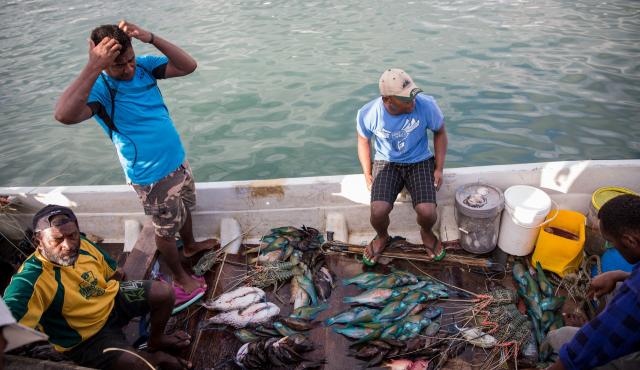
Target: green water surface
(279, 82)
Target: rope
(131, 353)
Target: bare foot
(197, 247)
(189, 284)
(175, 341)
(375, 248)
(429, 239)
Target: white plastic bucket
(526, 207)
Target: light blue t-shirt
(402, 138)
(148, 144)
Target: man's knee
(161, 293)
(427, 212)
(380, 209)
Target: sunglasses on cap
(405, 99)
(53, 221)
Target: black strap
(109, 119)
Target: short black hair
(112, 31)
(620, 215)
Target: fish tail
(330, 321)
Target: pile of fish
(300, 320)
(282, 352)
(291, 254)
(281, 242)
(280, 343)
(543, 307)
(242, 307)
(392, 309)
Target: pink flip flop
(184, 299)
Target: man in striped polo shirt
(69, 289)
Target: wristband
(151, 41)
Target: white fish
(236, 299)
(478, 338)
(242, 353)
(327, 275)
(257, 313)
(272, 256)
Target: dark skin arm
(72, 105)
(364, 155)
(605, 283)
(180, 63)
(440, 142)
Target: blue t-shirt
(147, 143)
(402, 138)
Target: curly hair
(621, 215)
(112, 31)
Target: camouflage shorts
(168, 199)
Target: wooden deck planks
(140, 260)
(217, 348)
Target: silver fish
(377, 295)
(269, 257)
(258, 313)
(236, 299)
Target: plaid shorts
(167, 200)
(131, 301)
(389, 178)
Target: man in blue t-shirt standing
(120, 91)
(398, 120)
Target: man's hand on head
(136, 32)
(103, 54)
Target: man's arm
(605, 283)
(364, 155)
(72, 104)
(25, 303)
(440, 142)
(610, 335)
(180, 62)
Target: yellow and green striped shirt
(68, 303)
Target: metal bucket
(477, 210)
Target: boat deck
(215, 348)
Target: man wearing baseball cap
(69, 289)
(399, 120)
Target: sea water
(278, 83)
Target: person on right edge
(399, 120)
(612, 339)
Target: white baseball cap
(396, 82)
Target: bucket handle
(557, 210)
